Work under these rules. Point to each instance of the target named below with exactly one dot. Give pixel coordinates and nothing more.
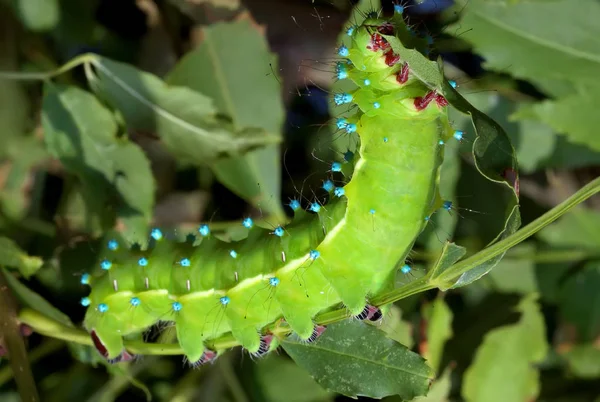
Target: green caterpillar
(343, 252)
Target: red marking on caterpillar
(422, 102)
(386, 29)
(98, 344)
(378, 42)
(402, 75)
(391, 58)
(125, 356)
(441, 101)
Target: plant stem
(10, 334)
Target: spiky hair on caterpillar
(341, 253)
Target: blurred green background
(197, 110)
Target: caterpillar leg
(370, 313)
(317, 332)
(208, 356)
(268, 343)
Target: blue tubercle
(233, 254)
(177, 306)
(248, 223)
(350, 31)
(279, 232)
(343, 98)
(376, 105)
(385, 139)
(85, 301)
(343, 51)
(441, 142)
(102, 307)
(458, 135)
(351, 128)
(453, 83)
(447, 205)
(341, 71)
(185, 262)
(143, 262)
(314, 254)
(204, 230)
(367, 82)
(398, 9)
(328, 185)
(336, 167)
(315, 207)
(372, 211)
(135, 301)
(156, 234)
(341, 123)
(274, 281)
(105, 264)
(405, 269)
(339, 191)
(113, 245)
(294, 204)
(224, 300)
(85, 279)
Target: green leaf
(495, 158)
(535, 39)
(38, 15)
(536, 143)
(18, 171)
(280, 379)
(82, 134)
(251, 96)
(353, 358)
(449, 255)
(12, 256)
(512, 224)
(503, 366)
(516, 275)
(584, 361)
(31, 299)
(579, 229)
(438, 317)
(575, 115)
(579, 301)
(185, 120)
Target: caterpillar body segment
(345, 251)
